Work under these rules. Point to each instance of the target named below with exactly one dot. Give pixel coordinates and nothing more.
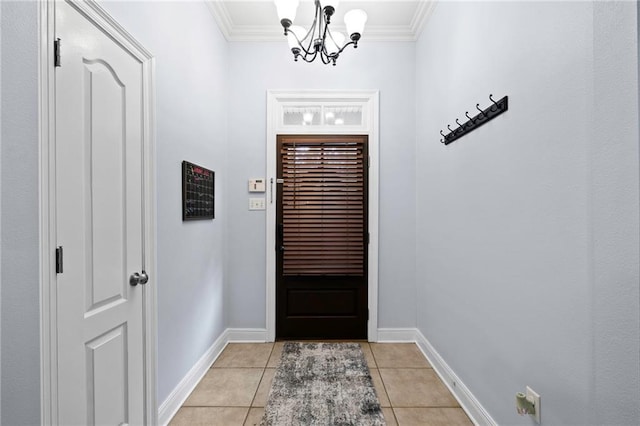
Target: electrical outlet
(535, 398)
(256, 204)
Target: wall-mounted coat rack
(476, 121)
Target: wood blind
(323, 208)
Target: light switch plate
(256, 204)
(535, 398)
(257, 185)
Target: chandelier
(319, 41)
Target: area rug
(322, 384)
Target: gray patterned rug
(322, 384)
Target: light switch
(256, 204)
(257, 185)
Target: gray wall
(191, 125)
(255, 68)
(191, 75)
(0, 215)
(528, 239)
(20, 381)
(613, 216)
(525, 256)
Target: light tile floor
(234, 391)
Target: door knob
(137, 278)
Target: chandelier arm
(309, 37)
(345, 46)
(325, 58)
(305, 50)
(312, 29)
(324, 39)
(319, 18)
(306, 57)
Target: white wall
(20, 381)
(191, 76)
(528, 235)
(255, 68)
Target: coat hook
(467, 114)
(481, 111)
(459, 125)
(494, 102)
(443, 135)
(450, 129)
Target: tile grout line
(431, 406)
(241, 368)
(384, 388)
(375, 361)
(393, 408)
(258, 388)
(218, 406)
(264, 369)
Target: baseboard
(397, 335)
(467, 400)
(180, 393)
(246, 335)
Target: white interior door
(99, 224)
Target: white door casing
(98, 330)
(277, 101)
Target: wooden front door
(322, 237)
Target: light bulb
(286, 11)
(291, 38)
(355, 20)
(333, 46)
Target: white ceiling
(256, 20)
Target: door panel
(103, 111)
(107, 377)
(321, 283)
(99, 223)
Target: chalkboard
(198, 192)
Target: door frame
(276, 101)
(47, 210)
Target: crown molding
(221, 16)
(423, 13)
(273, 33)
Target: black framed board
(198, 192)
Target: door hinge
(59, 260)
(368, 238)
(56, 52)
(367, 314)
(368, 162)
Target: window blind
(323, 208)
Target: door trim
(47, 213)
(276, 99)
